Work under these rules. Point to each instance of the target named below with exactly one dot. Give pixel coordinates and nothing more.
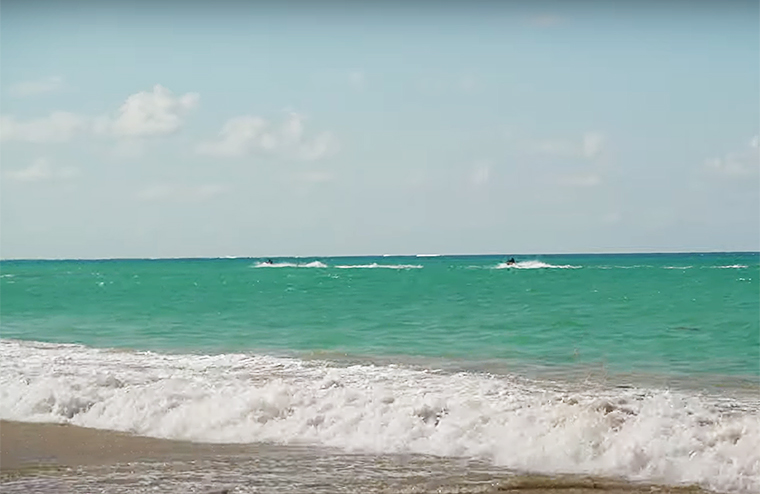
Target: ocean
(643, 367)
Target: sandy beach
(65, 458)
(24, 445)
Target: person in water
(511, 261)
(269, 261)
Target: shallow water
(321, 472)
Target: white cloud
(582, 180)
(589, 146)
(320, 146)
(743, 163)
(592, 144)
(149, 113)
(57, 127)
(246, 134)
(238, 136)
(481, 175)
(143, 114)
(42, 170)
(30, 88)
(292, 129)
(179, 192)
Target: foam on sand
(33, 458)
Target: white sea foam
(313, 264)
(275, 265)
(533, 265)
(643, 434)
(732, 266)
(381, 266)
(676, 267)
(634, 266)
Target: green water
(674, 314)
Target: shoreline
(64, 453)
(34, 444)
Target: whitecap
(375, 265)
(533, 265)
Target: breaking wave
(542, 427)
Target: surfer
(511, 261)
(269, 261)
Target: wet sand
(30, 445)
(65, 458)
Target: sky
(230, 128)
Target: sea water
(640, 366)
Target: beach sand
(65, 458)
(32, 445)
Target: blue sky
(132, 129)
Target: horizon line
(187, 258)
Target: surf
(535, 426)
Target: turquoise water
(672, 314)
(644, 367)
